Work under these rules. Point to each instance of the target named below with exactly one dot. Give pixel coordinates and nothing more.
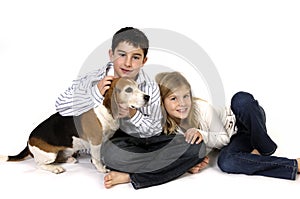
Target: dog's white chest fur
(109, 124)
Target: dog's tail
(21, 156)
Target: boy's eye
(136, 57)
(121, 54)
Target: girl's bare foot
(197, 168)
(298, 161)
(255, 152)
(114, 178)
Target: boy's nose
(128, 62)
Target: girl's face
(127, 59)
(178, 104)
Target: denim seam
(132, 180)
(137, 185)
(267, 154)
(294, 168)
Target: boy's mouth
(125, 71)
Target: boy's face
(127, 59)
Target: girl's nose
(181, 102)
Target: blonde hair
(168, 83)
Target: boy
(138, 141)
(128, 54)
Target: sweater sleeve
(212, 126)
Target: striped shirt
(84, 95)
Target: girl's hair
(132, 36)
(168, 83)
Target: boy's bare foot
(114, 178)
(197, 168)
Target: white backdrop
(255, 46)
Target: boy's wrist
(132, 112)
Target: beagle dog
(59, 138)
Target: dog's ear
(110, 98)
(114, 105)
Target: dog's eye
(128, 90)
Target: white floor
(82, 180)
(254, 46)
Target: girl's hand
(192, 136)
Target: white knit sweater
(217, 124)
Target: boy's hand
(124, 111)
(192, 136)
(104, 84)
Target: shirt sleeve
(148, 119)
(82, 95)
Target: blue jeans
(151, 161)
(252, 134)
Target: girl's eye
(173, 98)
(186, 96)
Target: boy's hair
(168, 83)
(132, 36)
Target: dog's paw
(58, 170)
(71, 160)
(103, 170)
(106, 169)
(99, 166)
(52, 168)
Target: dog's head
(124, 91)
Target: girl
(241, 134)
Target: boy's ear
(110, 53)
(145, 60)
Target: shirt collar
(142, 77)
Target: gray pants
(151, 161)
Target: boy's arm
(81, 96)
